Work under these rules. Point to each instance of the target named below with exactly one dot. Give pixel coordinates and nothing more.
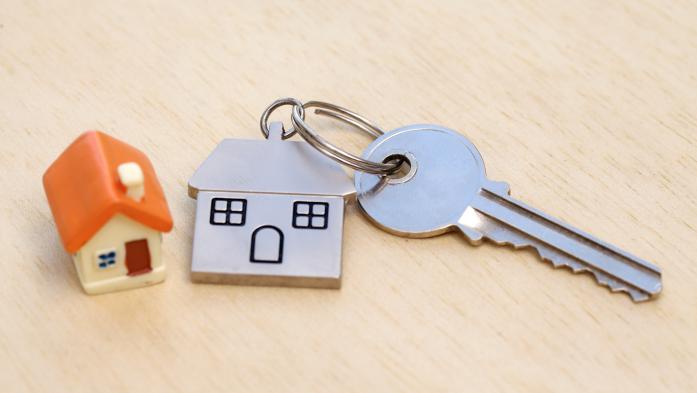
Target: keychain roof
(269, 166)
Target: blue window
(106, 259)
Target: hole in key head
(405, 171)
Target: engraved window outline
(311, 214)
(229, 211)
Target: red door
(137, 257)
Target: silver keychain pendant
(269, 212)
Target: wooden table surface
(587, 108)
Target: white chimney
(131, 176)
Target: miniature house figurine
(269, 212)
(110, 212)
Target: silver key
(446, 188)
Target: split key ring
(322, 145)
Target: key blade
(504, 220)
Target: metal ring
(333, 152)
(264, 121)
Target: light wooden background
(588, 108)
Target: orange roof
(84, 190)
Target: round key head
(428, 198)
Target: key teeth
(600, 278)
(576, 268)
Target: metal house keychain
(269, 212)
(424, 180)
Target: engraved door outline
(263, 237)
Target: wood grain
(587, 107)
